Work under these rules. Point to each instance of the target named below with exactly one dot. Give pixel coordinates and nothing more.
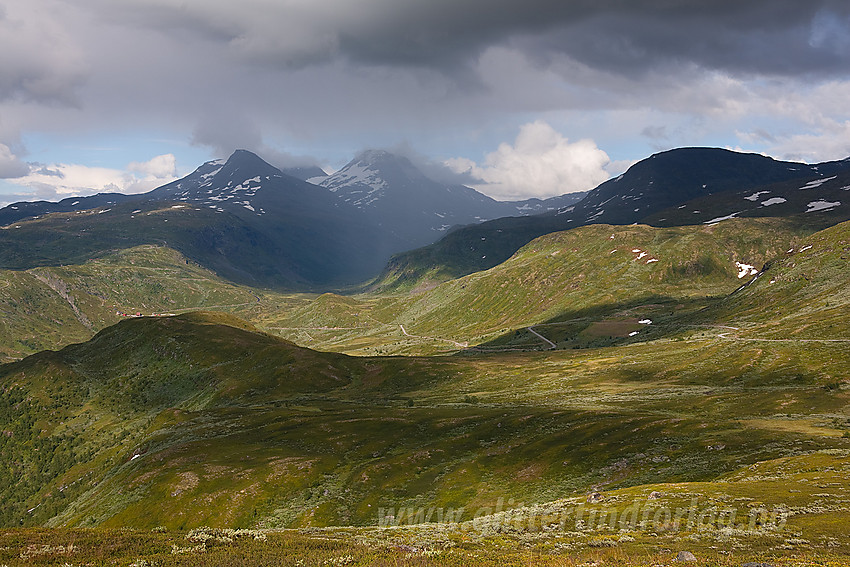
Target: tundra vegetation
(683, 409)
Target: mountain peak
(249, 162)
(225, 184)
(374, 156)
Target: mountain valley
(188, 374)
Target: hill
(651, 191)
(51, 307)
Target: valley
(609, 394)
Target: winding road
(406, 334)
(541, 337)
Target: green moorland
(580, 288)
(50, 307)
(586, 287)
(721, 428)
(205, 422)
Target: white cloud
(541, 163)
(10, 165)
(617, 167)
(827, 144)
(160, 167)
(61, 180)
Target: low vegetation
(678, 391)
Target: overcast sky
(518, 98)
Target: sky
(518, 99)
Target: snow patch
(357, 174)
(719, 219)
(822, 205)
(745, 270)
(645, 321)
(633, 333)
(755, 196)
(212, 173)
(651, 260)
(804, 248)
(816, 183)
(773, 201)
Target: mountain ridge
(663, 181)
(251, 222)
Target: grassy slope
(238, 428)
(241, 429)
(50, 307)
(568, 281)
(803, 294)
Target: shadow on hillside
(610, 324)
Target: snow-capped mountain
(415, 208)
(241, 217)
(677, 187)
(674, 177)
(238, 183)
(823, 189)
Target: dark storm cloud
(785, 37)
(453, 77)
(38, 61)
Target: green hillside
(804, 293)
(734, 397)
(50, 307)
(587, 287)
(582, 287)
(238, 428)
